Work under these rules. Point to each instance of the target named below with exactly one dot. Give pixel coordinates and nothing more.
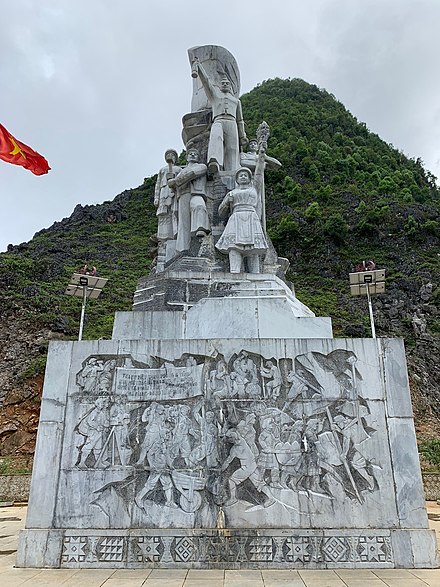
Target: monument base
(227, 453)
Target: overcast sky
(99, 87)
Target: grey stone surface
(253, 318)
(401, 545)
(406, 471)
(45, 475)
(158, 324)
(396, 379)
(220, 549)
(17, 487)
(230, 549)
(56, 380)
(414, 548)
(178, 290)
(218, 305)
(424, 548)
(235, 318)
(39, 548)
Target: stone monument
(223, 426)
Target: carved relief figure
(154, 417)
(246, 429)
(164, 198)
(105, 377)
(310, 467)
(190, 361)
(301, 387)
(155, 448)
(181, 436)
(273, 380)
(190, 185)
(244, 378)
(87, 378)
(342, 364)
(220, 381)
(227, 130)
(208, 445)
(243, 237)
(253, 388)
(267, 460)
(289, 455)
(241, 451)
(93, 427)
(352, 436)
(120, 422)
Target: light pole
(366, 283)
(85, 286)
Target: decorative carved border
(240, 549)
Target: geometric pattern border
(235, 550)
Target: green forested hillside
(343, 195)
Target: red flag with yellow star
(17, 153)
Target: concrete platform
(12, 520)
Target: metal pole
(83, 311)
(370, 309)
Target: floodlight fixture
(85, 286)
(367, 283)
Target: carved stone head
(171, 156)
(243, 176)
(253, 146)
(192, 156)
(225, 84)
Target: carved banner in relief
(168, 382)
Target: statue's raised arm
(227, 131)
(197, 70)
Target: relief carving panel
(212, 441)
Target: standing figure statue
(243, 237)
(190, 185)
(249, 158)
(227, 131)
(164, 198)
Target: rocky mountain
(342, 196)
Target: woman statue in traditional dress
(243, 237)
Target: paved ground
(12, 519)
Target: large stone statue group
(223, 180)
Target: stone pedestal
(224, 427)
